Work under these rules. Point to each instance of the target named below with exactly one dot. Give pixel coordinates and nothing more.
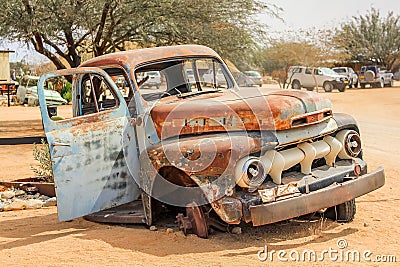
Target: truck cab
(208, 148)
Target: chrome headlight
(250, 172)
(351, 142)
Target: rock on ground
(236, 230)
(17, 204)
(17, 199)
(50, 202)
(34, 204)
(8, 194)
(19, 193)
(43, 198)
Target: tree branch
(101, 26)
(38, 44)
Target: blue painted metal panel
(89, 160)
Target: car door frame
(308, 80)
(88, 153)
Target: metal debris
(279, 192)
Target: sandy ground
(20, 121)
(32, 238)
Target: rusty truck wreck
(224, 155)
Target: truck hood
(336, 76)
(228, 110)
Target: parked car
(307, 77)
(217, 156)
(153, 80)
(349, 73)
(27, 93)
(396, 76)
(255, 76)
(375, 76)
(242, 79)
(209, 78)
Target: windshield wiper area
(187, 95)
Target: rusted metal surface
(90, 169)
(279, 192)
(193, 142)
(175, 163)
(194, 222)
(229, 209)
(324, 175)
(199, 223)
(249, 110)
(213, 174)
(311, 118)
(130, 213)
(317, 200)
(312, 101)
(89, 165)
(137, 57)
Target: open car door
(87, 152)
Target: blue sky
(296, 14)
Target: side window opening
(72, 96)
(58, 93)
(121, 79)
(181, 77)
(318, 72)
(295, 70)
(213, 76)
(96, 95)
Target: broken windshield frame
(181, 77)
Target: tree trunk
(37, 42)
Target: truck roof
(133, 58)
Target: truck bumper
(340, 84)
(330, 196)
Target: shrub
(66, 92)
(44, 171)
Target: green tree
(66, 30)
(371, 38)
(307, 47)
(281, 55)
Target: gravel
(17, 199)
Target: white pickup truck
(308, 77)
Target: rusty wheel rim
(198, 220)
